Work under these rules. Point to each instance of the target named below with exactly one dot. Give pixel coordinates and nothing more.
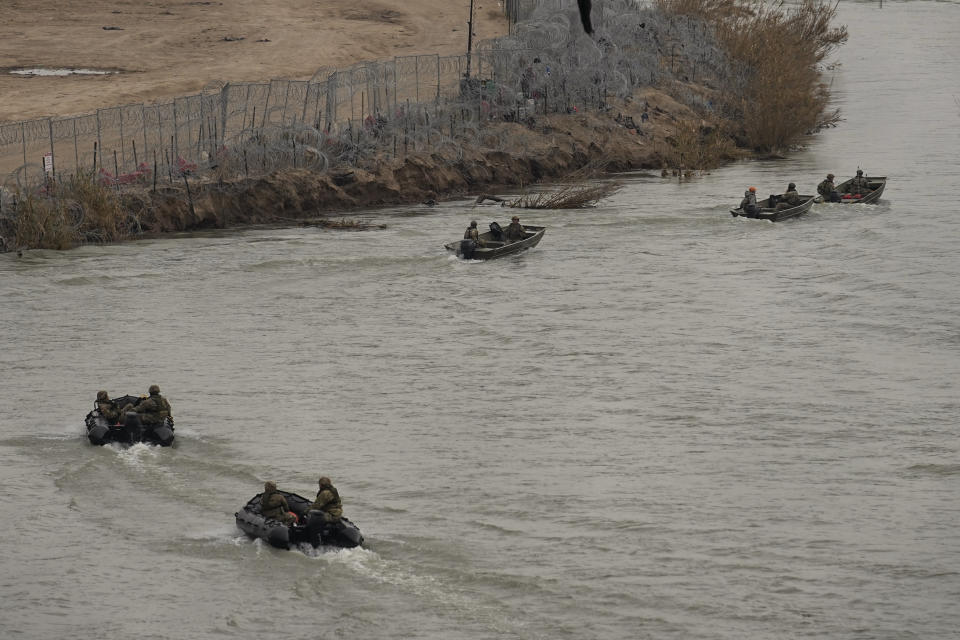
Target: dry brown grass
(777, 95)
(64, 214)
(576, 196)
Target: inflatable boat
(310, 527)
(129, 429)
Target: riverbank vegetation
(679, 87)
(772, 91)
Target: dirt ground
(166, 48)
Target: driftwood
(569, 197)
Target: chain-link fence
(377, 109)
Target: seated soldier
(749, 202)
(107, 407)
(153, 409)
(515, 230)
(328, 502)
(273, 505)
(860, 184)
(790, 198)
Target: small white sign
(48, 163)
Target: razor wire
(374, 110)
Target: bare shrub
(774, 88)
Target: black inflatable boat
(310, 529)
(129, 430)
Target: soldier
(790, 198)
(472, 233)
(828, 190)
(107, 407)
(153, 409)
(749, 202)
(328, 501)
(515, 230)
(860, 184)
(273, 505)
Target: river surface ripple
(663, 422)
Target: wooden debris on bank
(343, 224)
(569, 197)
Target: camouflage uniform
(153, 409)
(826, 187)
(274, 506)
(328, 501)
(107, 408)
(514, 232)
(471, 233)
(860, 184)
(790, 198)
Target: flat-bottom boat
(849, 195)
(309, 529)
(492, 244)
(768, 212)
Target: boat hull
(496, 249)
(771, 213)
(130, 430)
(311, 530)
(877, 185)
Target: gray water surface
(663, 422)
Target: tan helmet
(102, 396)
(154, 389)
(269, 486)
(324, 482)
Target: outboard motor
(163, 435)
(316, 528)
(467, 247)
(133, 427)
(496, 231)
(98, 433)
(279, 537)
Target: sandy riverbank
(163, 49)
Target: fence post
(306, 99)
(286, 99)
(176, 143)
(224, 99)
(76, 151)
(23, 142)
(123, 153)
(143, 123)
(53, 160)
(98, 157)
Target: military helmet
(473, 223)
(324, 481)
(102, 396)
(791, 186)
(859, 172)
(154, 389)
(829, 176)
(269, 486)
(515, 218)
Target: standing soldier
(828, 190)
